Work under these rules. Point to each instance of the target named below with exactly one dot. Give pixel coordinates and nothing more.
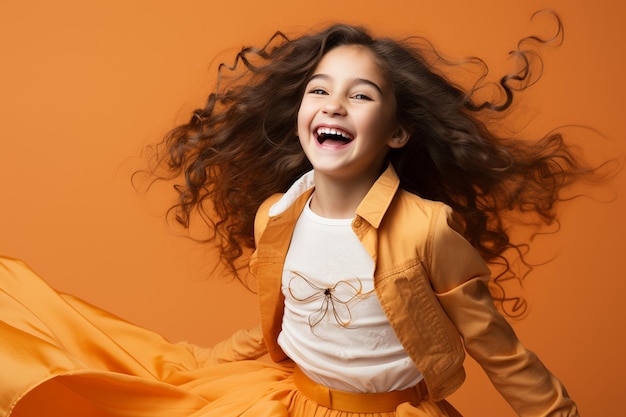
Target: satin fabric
(60, 356)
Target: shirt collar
(372, 208)
(301, 186)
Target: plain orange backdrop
(85, 86)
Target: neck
(338, 199)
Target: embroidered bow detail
(335, 299)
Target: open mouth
(333, 135)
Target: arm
(516, 372)
(247, 343)
(242, 345)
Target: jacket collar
(372, 208)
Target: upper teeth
(333, 131)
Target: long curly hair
(242, 146)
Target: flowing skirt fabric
(60, 356)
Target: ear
(399, 138)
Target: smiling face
(346, 121)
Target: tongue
(333, 140)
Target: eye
(361, 96)
(317, 91)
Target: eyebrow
(355, 81)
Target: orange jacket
(432, 285)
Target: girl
(372, 193)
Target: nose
(334, 106)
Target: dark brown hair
(242, 146)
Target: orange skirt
(60, 356)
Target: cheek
(373, 125)
(302, 131)
(383, 124)
(303, 121)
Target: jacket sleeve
(247, 343)
(459, 277)
(242, 345)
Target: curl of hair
(242, 146)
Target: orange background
(84, 86)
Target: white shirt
(333, 325)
